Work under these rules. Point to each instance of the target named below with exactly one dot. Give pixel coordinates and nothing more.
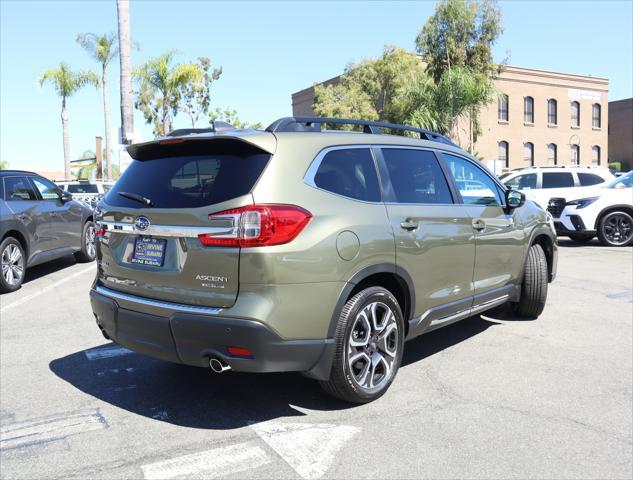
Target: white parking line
(47, 429)
(308, 448)
(106, 352)
(53, 286)
(210, 463)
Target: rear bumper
(193, 338)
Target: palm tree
(125, 48)
(158, 77)
(102, 49)
(66, 83)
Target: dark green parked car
(301, 249)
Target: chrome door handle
(409, 226)
(53, 214)
(479, 224)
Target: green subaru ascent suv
(298, 248)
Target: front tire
(534, 286)
(369, 342)
(13, 263)
(615, 229)
(88, 248)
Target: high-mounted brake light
(258, 226)
(171, 141)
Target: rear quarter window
(587, 179)
(189, 181)
(349, 172)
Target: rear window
(188, 181)
(587, 179)
(557, 180)
(350, 173)
(82, 188)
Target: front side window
(474, 185)
(522, 182)
(595, 155)
(503, 108)
(552, 112)
(528, 110)
(416, 177)
(596, 115)
(349, 172)
(575, 114)
(587, 179)
(48, 190)
(557, 180)
(575, 155)
(18, 188)
(528, 153)
(503, 153)
(552, 154)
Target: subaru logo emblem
(141, 223)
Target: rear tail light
(239, 352)
(259, 226)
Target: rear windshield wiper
(137, 197)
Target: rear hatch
(150, 222)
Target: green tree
(160, 89)
(461, 33)
(4, 164)
(103, 49)
(229, 115)
(66, 83)
(125, 60)
(196, 96)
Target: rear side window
(416, 177)
(350, 173)
(522, 182)
(18, 188)
(587, 179)
(188, 181)
(557, 180)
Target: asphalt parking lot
(489, 397)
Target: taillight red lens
(240, 352)
(259, 226)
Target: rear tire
(13, 262)
(88, 248)
(369, 342)
(534, 286)
(615, 229)
(581, 237)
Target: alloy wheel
(373, 346)
(90, 240)
(617, 229)
(12, 264)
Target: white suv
(550, 186)
(88, 191)
(606, 211)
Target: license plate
(149, 251)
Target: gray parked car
(39, 222)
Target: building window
(552, 154)
(595, 155)
(528, 152)
(528, 110)
(503, 108)
(552, 112)
(575, 155)
(596, 115)
(575, 114)
(503, 154)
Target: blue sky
(267, 50)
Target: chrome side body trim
(156, 303)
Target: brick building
(540, 118)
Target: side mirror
(514, 199)
(66, 196)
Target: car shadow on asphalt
(47, 268)
(196, 397)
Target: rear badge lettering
(212, 281)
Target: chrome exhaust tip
(218, 366)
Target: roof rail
(215, 128)
(313, 124)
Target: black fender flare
(620, 206)
(552, 257)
